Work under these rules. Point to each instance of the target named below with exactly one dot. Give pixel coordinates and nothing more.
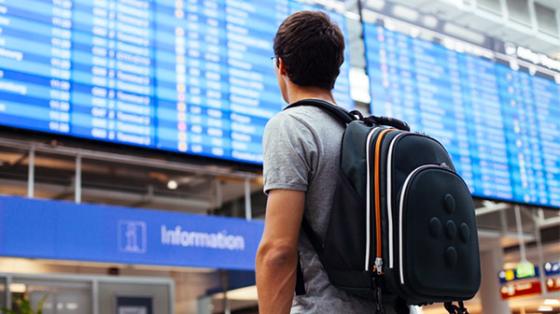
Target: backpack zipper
(378, 264)
(390, 197)
(390, 193)
(368, 197)
(404, 191)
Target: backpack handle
(396, 123)
(346, 117)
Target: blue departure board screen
(501, 125)
(191, 76)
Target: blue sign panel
(552, 269)
(508, 275)
(186, 76)
(68, 231)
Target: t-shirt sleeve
(289, 155)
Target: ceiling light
(405, 13)
(18, 288)
(430, 21)
(72, 306)
(375, 4)
(510, 49)
(172, 185)
(241, 294)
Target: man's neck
(298, 93)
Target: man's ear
(281, 66)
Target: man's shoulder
(292, 119)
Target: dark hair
(312, 48)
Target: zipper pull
(378, 266)
(379, 308)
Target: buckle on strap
(454, 309)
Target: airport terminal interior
(131, 130)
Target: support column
(490, 298)
(248, 209)
(219, 201)
(31, 173)
(78, 180)
(95, 296)
(204, 305)
(225, 286)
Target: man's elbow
(276, 255)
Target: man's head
(309, 50)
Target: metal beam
(95, 296)
(225, 287)
(20, 160)
(31, 173)
(540, 253)
(490, 207)
(549, 222)
(503, 222)
(78, 180)
(219, 195)
(248, 209)
(129, 159)
(519, 226)
(182, 202)
(8, 292)
(494, 234)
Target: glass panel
(546, 18)
(519, 11)
(60, 297)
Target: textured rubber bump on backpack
(451, 256)
(435, 227)
(449, 203)
(465, 232)
(451, 229)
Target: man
(301, 155)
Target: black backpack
(402, 228)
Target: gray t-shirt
(301, 152)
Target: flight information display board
(501, 126)
(191, 76)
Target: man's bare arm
(277, 254)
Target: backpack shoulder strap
(345, 117)
(313, 237)
(336, 112)
(317, 244)
(300, 284)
